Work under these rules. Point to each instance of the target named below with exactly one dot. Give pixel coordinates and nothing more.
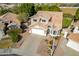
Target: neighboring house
(76, 25)
(46, 22)
(11, 19)
(73, 41)
(1, 30)
(13, 26)
(76, 29)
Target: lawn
(14, 34)
(69, 10)
(67, 22)
(6, 43)
(68, 15)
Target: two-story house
(46, 22)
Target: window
(35, 20)
(54, 32)
(78, 28)
(43, 20)
(49, 26)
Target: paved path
(59, 50)
(63, 45)
(30, 45)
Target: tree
(3, 11)
(15, 9)
(14, 34)
(44, 7)
(77, 14)
(47, 7)
(23, 17)
(54, 8)
(24, 11)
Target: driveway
(67, 50)
(63, 50)
(30, 45)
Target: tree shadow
(19, 38)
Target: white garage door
(73, 45)
(38, 31)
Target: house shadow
(19, 38)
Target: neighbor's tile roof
(74, 37)
(10, 17)
(76, 23)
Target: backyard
(66, 22)
(69, 10)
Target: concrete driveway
(30, 45)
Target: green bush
(3, 11)
(46, 7)
(54, 8)
(77, 14)
(14, 34)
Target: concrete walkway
(59, 51)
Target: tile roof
(39, 26)
(56, 17)
(10, 17)
(74, 37)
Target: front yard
(6, 43)
(10, 41)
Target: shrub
(14, 34)
(77, 14)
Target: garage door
(38, 31)
(73, 45)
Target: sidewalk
(59, 51)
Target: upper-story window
(43, 20)
(35, 20)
